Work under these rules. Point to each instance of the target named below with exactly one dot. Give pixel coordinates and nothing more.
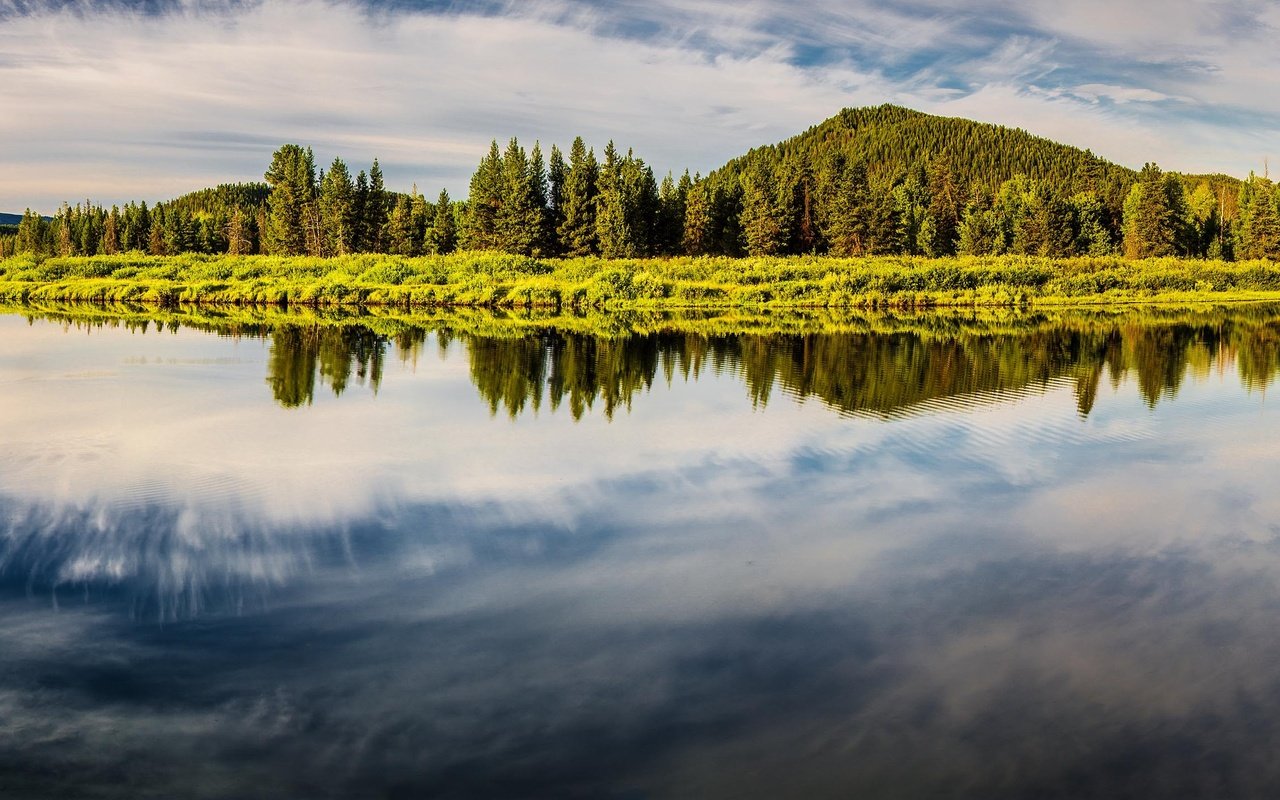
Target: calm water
(952, 556)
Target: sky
(125, 100)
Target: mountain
(10, 219)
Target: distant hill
(10, 219)
(219, 198)
(892, 140)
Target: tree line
(882, 181)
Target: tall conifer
(577, 230)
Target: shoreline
(498, 281)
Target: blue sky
(116, 101)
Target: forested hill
(891, 141)
(10, 219)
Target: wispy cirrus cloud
(126, 100)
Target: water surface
(982, 555)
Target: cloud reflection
(710, 595)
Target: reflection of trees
(869, 364)
(1258, 356)
(300, 353)
(877, 373)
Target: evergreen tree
(641, 204)
(519, 219)
(156, 240)
(699, 222)
(767, 210)
(238, 239)
(111, 233)
(376, 209)
(442, 236)
(359, 213)
(399, 236)
(540, 201)
(1045, 228)
(611, 211)
(337, 211)
(485, 202)
(945, 207)
(1089, 218)
(577, 231)
(292, 179)
(912, 200)
(557, 175)
(672, 198)
(421, 214)
(1260, 217)
(980, 230)
(1150, 220)
(843, 207)
(31, 236)
(141, 238)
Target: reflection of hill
(877, 364)
(878, 373)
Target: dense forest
(877, 181)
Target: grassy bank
(499, 281)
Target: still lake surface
(988, 556)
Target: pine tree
(156, 237)
(766, 211)
(375, 211)
(141, 240)
(540, 201)
(843, 207)
(442, 236)
(399, 230)
(1260, 231)
(1044, 229)
(641, 204)
(337, 210)
(672, 197)
(912, 200)
(557, 175)
(485, 202)
(699, 222)
(238, 241)
(611, 212)
(1150, 223)
(519, 221)
(979, 232)
(1089, 219)
(359, 206)
(292, 179)
(31, 234)
(111, 233)
(419, 214)
(577, 231)
(945, 205)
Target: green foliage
(503, 280)
(1260, 219)
(882, 181)
(292, 176)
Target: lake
(982, 554)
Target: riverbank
(500, 281)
